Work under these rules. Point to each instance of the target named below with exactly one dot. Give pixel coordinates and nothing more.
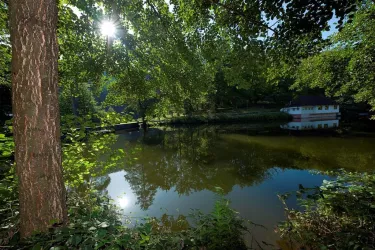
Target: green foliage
(229, 118)
(81, 62)
(337, 215)
(245, 66)
(326, 71)
(77, 100)
(345, 69)
(158, 67)
(83, 160)
(9, 206)
(252, 18)
(5, 48)
(6, 146)
(81, 47)
(220, 229)
(165, 56)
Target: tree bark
(42, 193)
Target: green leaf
(101, 233)
(75, 239)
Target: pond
(173, 170)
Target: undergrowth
(338, 215)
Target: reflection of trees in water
(101, 183)
(192, 160)
(319, 153)
(144, 190)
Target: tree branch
(240, 13)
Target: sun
(108, 28)
(123, 202)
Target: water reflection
(192, 160)
(173, 170)
(123, 202)
(310, 124)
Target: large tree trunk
(36, 114)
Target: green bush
(6, 146)
(338, 215)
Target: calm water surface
(171, 171)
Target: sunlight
(123, 202)
(108, 28)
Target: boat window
(320, 107)
(326, 107)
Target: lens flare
(123, 202)
(107, 28)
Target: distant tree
(346, 68)
(259, 43)
(77, 99)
